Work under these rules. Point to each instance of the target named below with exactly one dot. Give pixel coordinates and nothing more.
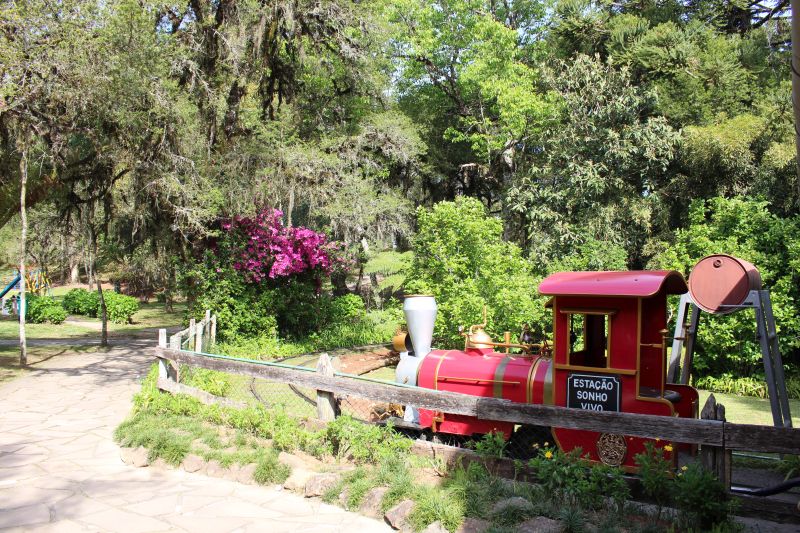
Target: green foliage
(158, 435)
(745, 386)
(119, 307)
(391, 266)
(597, 166)
(211, 381)
(573, 520)
(242, 310)
(432, 505)
(42, 309)
(270, 470)
(462, 260)
(789, 466)
(81, 302)
(701, 499)
(655, 472)
(569, 479)
(365, 443)
(492, 444)
(745, 229)
(254, 315)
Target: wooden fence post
(207, 328)
(326, 401)
(165, 369)
(716, 459)
(198, 337)
(190, 338)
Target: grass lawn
(150, 315)
(9, 329)
(747, 410)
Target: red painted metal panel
(480, 373)
(634, 283)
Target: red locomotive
(608, 354)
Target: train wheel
(526, 441)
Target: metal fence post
(326, 401)
(213, 334)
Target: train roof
(630, 283)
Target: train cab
(609, 354)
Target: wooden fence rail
(716, 433)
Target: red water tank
(718, 281)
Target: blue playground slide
(10, 286)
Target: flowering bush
(268, 249)
(263, 279)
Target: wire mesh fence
(301, 402)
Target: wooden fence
(196, 338)
(717, 437)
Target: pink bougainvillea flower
(270, 250)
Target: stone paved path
(60, 469)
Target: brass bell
(478, 338)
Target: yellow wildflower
(668, 448)
(658, 440)
(548, 454)
(684, 468)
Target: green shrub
(461, 259)
(119, 307)
(744, 228)
(82, 302)
(655, 472)
(569, 480)
(745, 386)
(492, 444)
(346, 307)
(42, 309)
(701, 499)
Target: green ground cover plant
(567, 488)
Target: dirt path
(60, 469)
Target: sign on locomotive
(608, 353)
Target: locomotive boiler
(608, 353)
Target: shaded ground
(61, 471)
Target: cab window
(588, 340)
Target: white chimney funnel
(420, 314)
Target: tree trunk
(291, 207)
(23, 214)
(170, 288)
(795, 64)
(103, 309)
